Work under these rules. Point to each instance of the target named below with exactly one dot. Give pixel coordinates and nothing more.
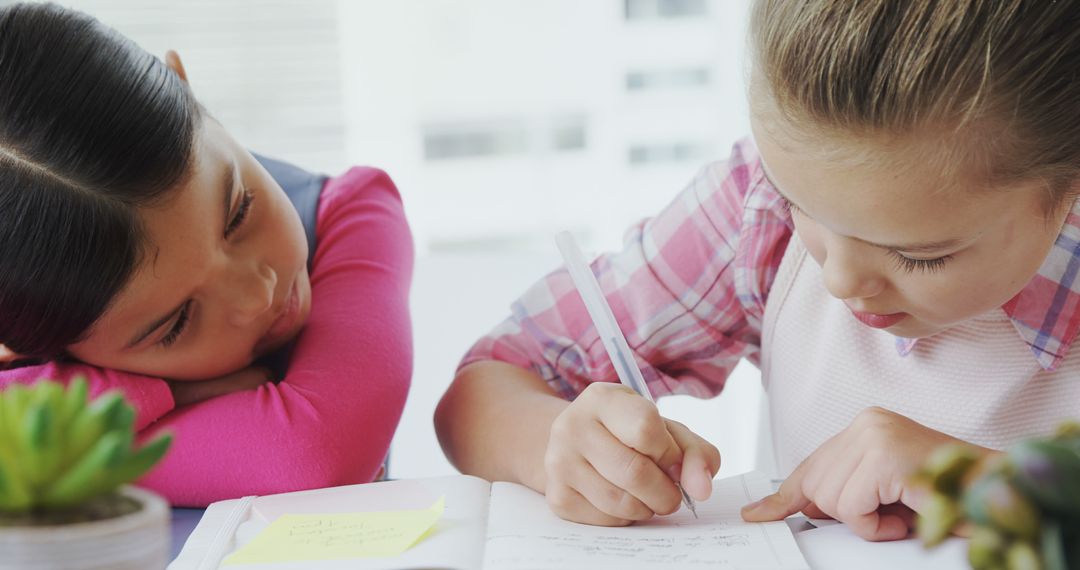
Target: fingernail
(675, 472)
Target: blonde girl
(897, 248)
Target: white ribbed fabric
(977, 381)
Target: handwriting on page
(696, 549)
(718, 539)
(340, 536)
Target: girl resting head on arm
(138, 235)
(145, 249)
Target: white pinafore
(977, 381)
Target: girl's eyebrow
(918, 247)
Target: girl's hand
(611, 459)
(859, 477)
(192, 392)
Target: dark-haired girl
(145, 249)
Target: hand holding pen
(611, 458)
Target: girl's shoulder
(737, 208)
(361, 209)
(364, 195)
(364, 183)
(748, 217)
(737, 186)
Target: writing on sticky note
(338, 536)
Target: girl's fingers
(905, 513)
(701, 461)
(830, 477)
(777, 506)
(860, 505)
(629, 470)
(788, 500)
(812, 511)
(572, 506)
(606, 497)
(879, 526)
(636, 423)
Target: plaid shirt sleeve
(688, 289)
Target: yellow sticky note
(339, 536)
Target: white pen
(607, 327)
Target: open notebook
(503, 526)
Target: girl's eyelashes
(178, 327)
(904, 263)
(909, 265)
(241, 212)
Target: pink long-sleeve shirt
(330, 420)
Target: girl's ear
(7, 356)
(172, 59)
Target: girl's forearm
(150, 396)
(494, 422)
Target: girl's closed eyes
(242, 212)
(910, 265)
(178, 327)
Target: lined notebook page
(524, 534)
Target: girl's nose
(847, 276)
(252, 292)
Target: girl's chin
(262, 350)
(911, 327)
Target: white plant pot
(136, 541)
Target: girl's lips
(878, 321)
(284, 323)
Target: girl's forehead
(887, 194)
(937, 158)
(954, 157)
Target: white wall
(411, 65)
(457, 297)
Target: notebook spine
(223, 539)
(213, 537)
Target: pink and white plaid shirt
(690, 285)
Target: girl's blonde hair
(1003, 73)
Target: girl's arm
(151, 397)
(330, 421)
(688, 290)
(498, 406)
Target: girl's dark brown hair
(91, 128)
(1002, 74)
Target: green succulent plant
(1022, 508)
(59, 451)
